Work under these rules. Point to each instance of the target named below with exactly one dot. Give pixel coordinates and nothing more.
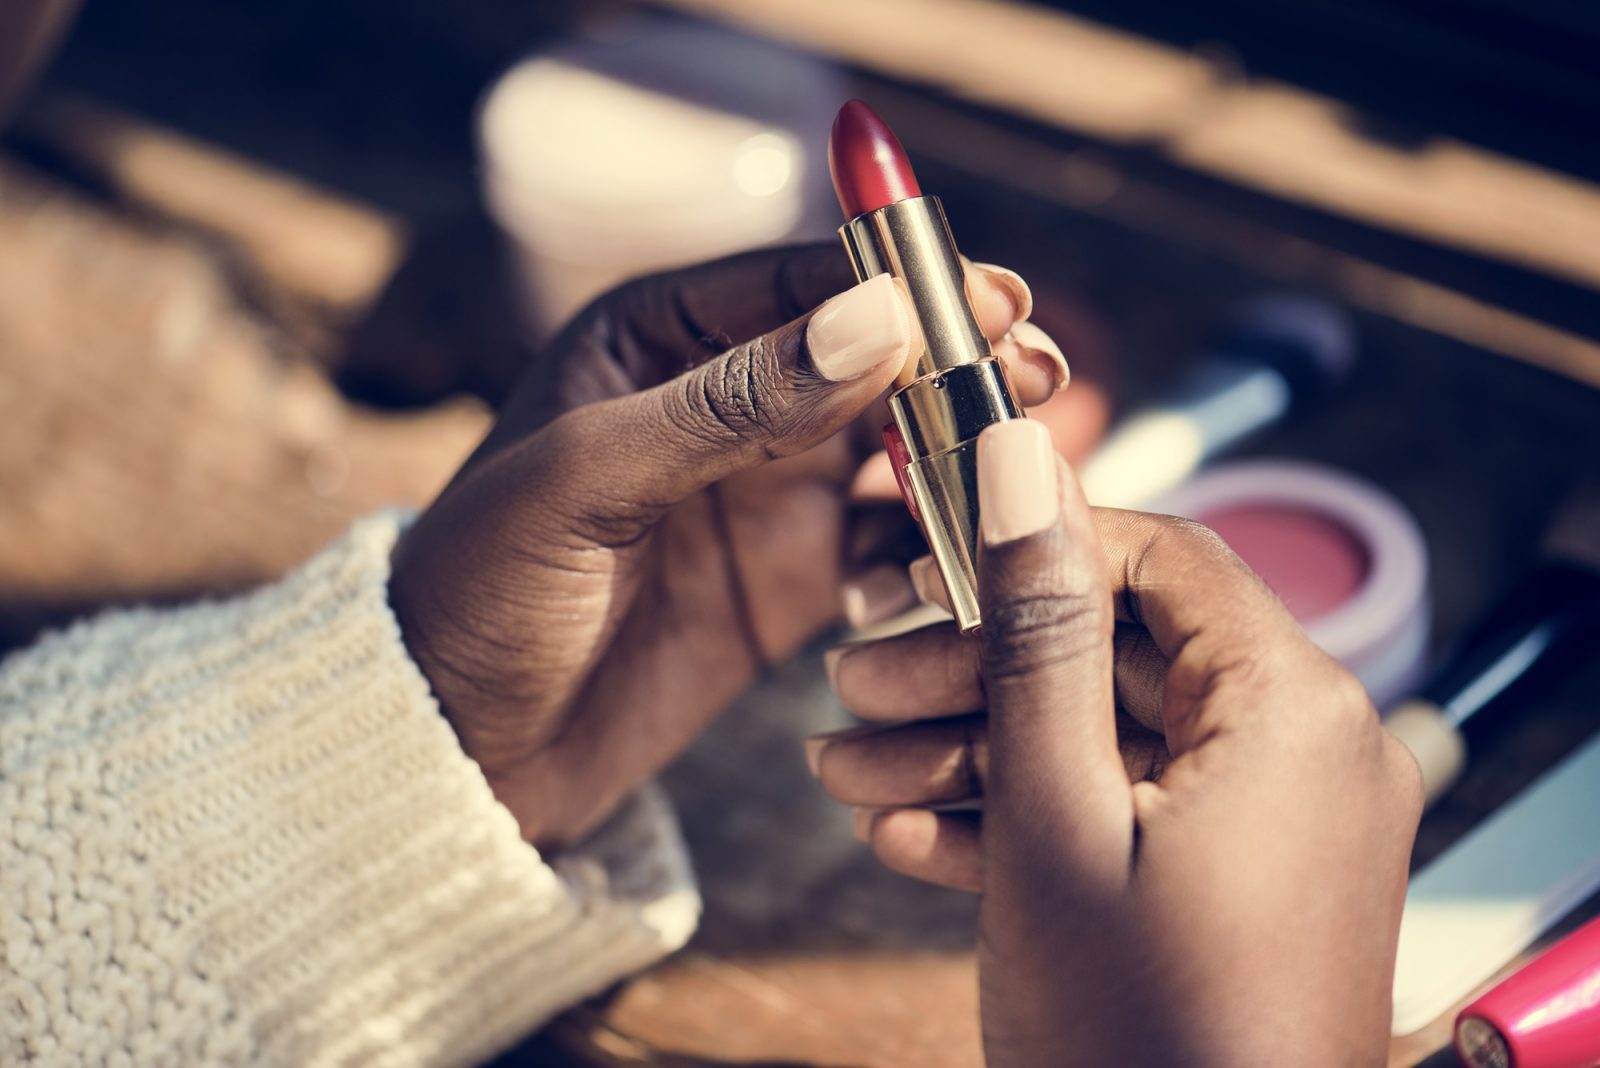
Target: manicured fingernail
(818, 742)
(830, 664)
(814, 748)
(861, 820)
(860, 329)
(1039, 348)
(876, 595)
(1010, 281)
(928, 583)
(1018, 493)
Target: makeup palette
(1346, 558)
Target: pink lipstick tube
(954, 386)
(1545, 1016)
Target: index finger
(671, 321)
(1214, 619)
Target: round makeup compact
(1346, 558)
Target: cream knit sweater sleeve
(241, 833)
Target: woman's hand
(1241, 908)
(658, 513)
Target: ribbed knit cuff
(242, 832)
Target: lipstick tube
(1545, 1016)
(946, 394)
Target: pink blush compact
(1277, 542)
(1344, 555)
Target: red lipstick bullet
(953, 387)
(869, 168)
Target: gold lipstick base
(940, 418)
(950, 389)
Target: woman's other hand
(1233, 900)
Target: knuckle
(1343, 708)
(1201, 538)
(1171, 543)
(1403, 776)
(1188, 537)
(1028, 633)
(1349, 698)
(740, 395)
(1337, 716)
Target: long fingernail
(818, 742)
(1018, 493)
(1040, 348)
(830, 664)
(1021, 296)
(861, 821)
(860, 329)
(928, 583)
(875, 595)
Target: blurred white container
(656, 143)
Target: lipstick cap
(1545, 1016)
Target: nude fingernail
(814, 748)
(1015, 287)
(861, 820)
(818, 742)
(1039, 347)
(876, 595)
(860, 329)
(1018, 493)
(928, 583)
(830, 664)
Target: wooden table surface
(131, 310)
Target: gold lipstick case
(947, 393)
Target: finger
(940, 761)
(928, 583)
(1047, 658)
(883, 534)
(662, 324)
(874, 480)
(921, 764)
(1140, 675)
(876, 594)
(999, 297)
(776, 395)
(666, 322)
(1034, 364)
(1145, 755)
(1232, 649)
(1037, 371)
(937, 671)
(921, 674)
(942, 848)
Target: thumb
(776, 395)
(1058, 787)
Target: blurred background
(264, 268)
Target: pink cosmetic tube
(1545, 1016)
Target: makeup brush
(1546, 626)
(1275, 354)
